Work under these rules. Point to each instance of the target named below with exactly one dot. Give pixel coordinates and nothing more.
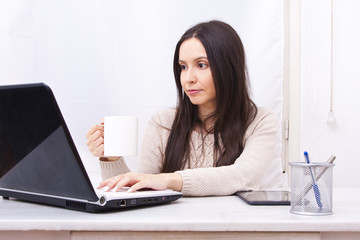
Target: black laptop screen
(36, 150)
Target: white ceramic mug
(120, 136)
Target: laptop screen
(36, 151)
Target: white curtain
(115, 57)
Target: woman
(216, 141)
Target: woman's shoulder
(265, 116)
(265, 120)
(164, 118)
(263, 112)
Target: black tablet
(265, 197)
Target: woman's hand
(95, 141)
(138, 181)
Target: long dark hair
(234, 108)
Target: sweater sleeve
(154, 142)
(152, 148)
(248, 169)
(110, 169)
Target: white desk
(209, 217)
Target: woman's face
(196, 78)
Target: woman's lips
(193, 91)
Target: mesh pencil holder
(311, 188)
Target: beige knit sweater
(201, 178)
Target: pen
(314, 184)
(317, 177)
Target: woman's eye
(183, 67)
(202, 65)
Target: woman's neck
(207, 119)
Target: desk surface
(187, 214)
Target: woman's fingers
(97, 147)
(93, 129)
(110, 183)
(114, 181)
(139, 185)
(120, 181)
(104, 183)
(117, 182)
(95, 140)
(138, 181)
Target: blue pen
(314, 184)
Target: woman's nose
(190, 76)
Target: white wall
(115, 57)
(318, 138)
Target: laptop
(39, 161)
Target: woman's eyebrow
(196, 59)
(200, 58)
